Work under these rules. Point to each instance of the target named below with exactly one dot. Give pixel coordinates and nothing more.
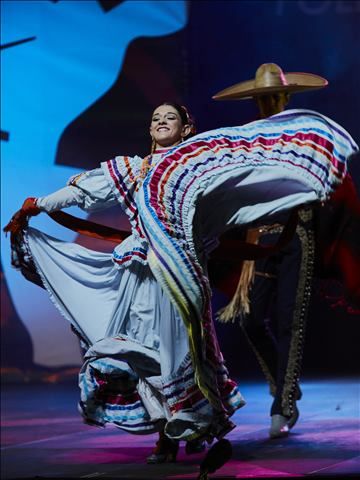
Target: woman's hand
(20, 219)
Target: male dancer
(273, 293)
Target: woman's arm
(89, 191)
(65, 197)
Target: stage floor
(43, 437)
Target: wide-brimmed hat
(270, 78)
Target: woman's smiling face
(166, 127)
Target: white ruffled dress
(137, 371)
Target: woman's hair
(185, 116)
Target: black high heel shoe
(165, 450)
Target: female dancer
(137, 373)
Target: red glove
(20, 219)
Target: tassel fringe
(240, 303)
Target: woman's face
(166, 127)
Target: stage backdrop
(79, 80)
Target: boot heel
(165, 451)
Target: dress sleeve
(89, 191)
(124, 175)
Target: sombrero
(270, 78)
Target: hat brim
(296, 82)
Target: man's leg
(284, 282)
(256, 324)
(293, 295)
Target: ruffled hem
(113, 392)
(109, 395)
